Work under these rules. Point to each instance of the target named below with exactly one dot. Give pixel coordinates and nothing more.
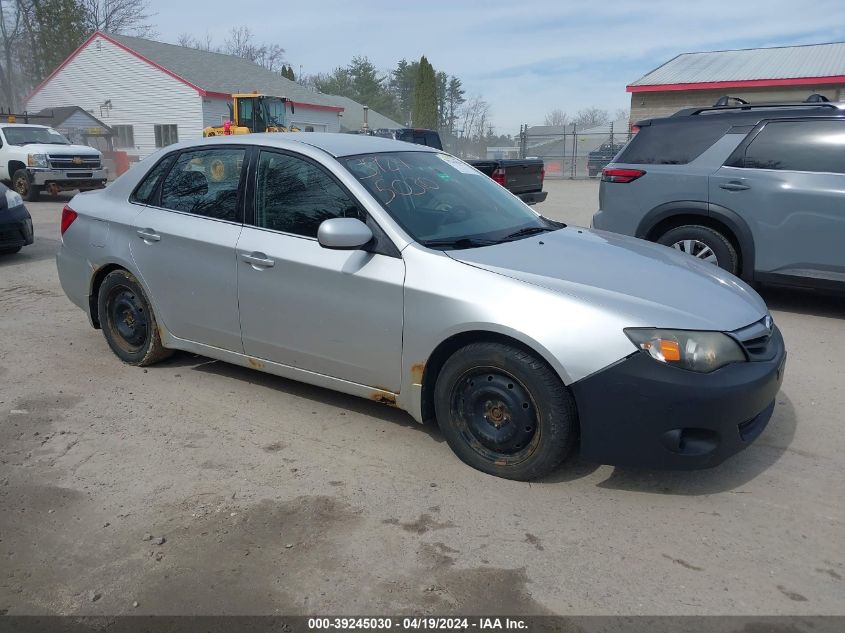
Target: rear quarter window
(673, 143)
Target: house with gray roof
(152, 94)
(782, 73)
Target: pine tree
(424, 113)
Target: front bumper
(642, 413)
(69, 178)
(533, 197)
(15, 227)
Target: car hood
(46, 148)
(653, 285)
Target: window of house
(798, 146)
(296, 196)
(205, 182)
(124, 136)
(166, 135)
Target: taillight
(499, 176)
(621, 175)
(68, 216)
(542, 174)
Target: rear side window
(673, 143)
(146, 192)
(797, 146)
(205, 182)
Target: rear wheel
(504, 411)
(703, 243)
(128, 322)
(22, 183)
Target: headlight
(13, 199)
(37, 160)
(697, 351)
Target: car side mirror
(344, 234)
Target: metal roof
(227, 74)
(812, 61)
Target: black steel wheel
(128, 321)
(504, 411)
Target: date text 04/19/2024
(415, 623)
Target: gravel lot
(276, 497)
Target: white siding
(141, 95)
(215, 111)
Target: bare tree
(591, 117)
(11, 31)
(118, 16)
(622, 114)
(205, 44)
(241, 44)
(557, 117)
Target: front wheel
(128, 322)
(504, 411)
(22, 183)
(703, 243)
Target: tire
(705, 243)
(22, 183)
(504, 411)
(10, 251)
(128, 322)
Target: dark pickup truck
(521, 176)
(597, 159)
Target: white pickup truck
(35, 158)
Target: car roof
(7, 124)
(333, 143)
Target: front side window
(166, 135)
(23, 135)
(205, 182)
(441, 201)
(798, 146)
(295, 196)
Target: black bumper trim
(642, 413)
(16, 227)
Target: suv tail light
(621, 175)
(542, 174)
(499, 176)
(68, 216)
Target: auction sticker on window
(458, 164)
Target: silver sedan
(401, 274)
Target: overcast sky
(524, 57)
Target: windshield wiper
(458, 242)
(528, 230)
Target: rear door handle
(149, 235)
(734, 186)
(258, 260)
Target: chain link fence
(569, 153)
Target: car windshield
(20, 135)
(442, 202)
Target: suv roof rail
(816, 98)
(726, 100)
(722, 105)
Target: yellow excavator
(252, 112)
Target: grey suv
(758, 189)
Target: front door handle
(148, 235)
(735, 186)
(258, 260)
